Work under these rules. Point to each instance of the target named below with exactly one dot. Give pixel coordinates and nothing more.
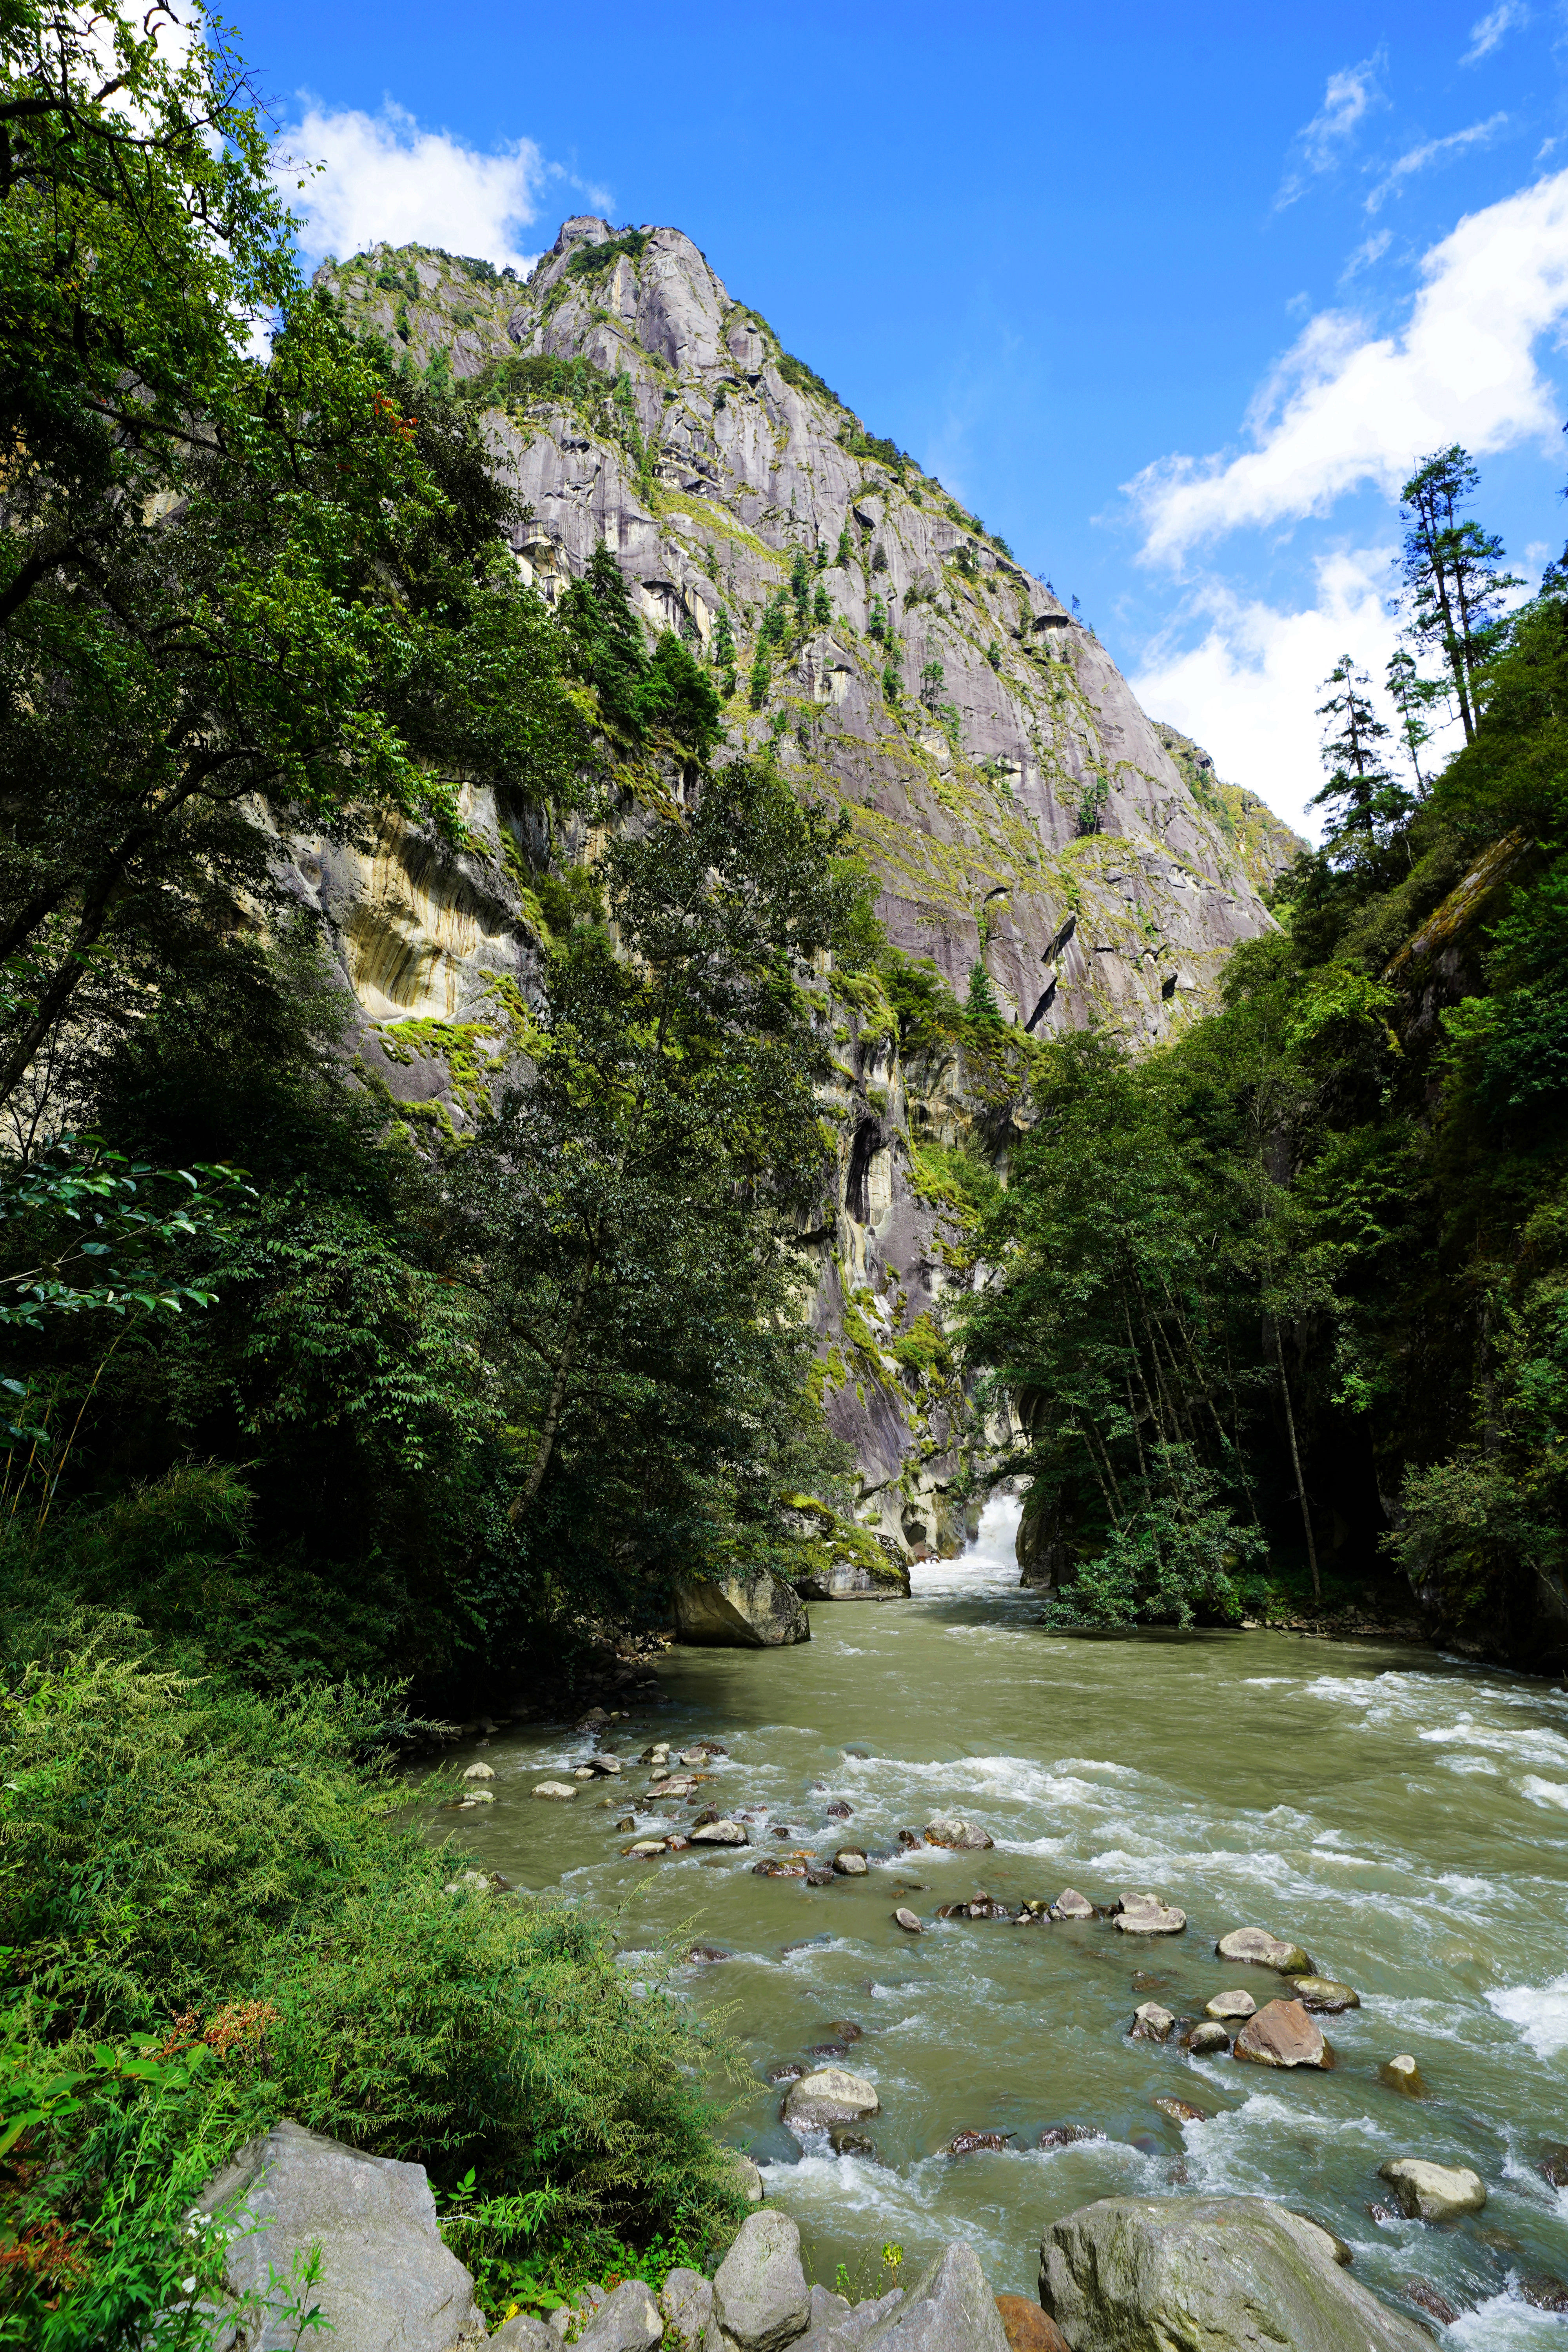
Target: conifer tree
(1364, 799)
(821, 609)
(1453, 572)
(1412, 696)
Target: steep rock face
(1027, 822)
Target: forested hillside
(1285, 1304)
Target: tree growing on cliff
(1454, 575)
(1363, 800)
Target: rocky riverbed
(1392, 1826)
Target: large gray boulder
(1432, 2192)
(1208, 2274)
(838, 2325)
(760, 2298)
(829, 2095)
(385, 2282)
(950, 2308)
(626, 2321)
(741, 1610)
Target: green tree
(1364, 799)
(1412, 697)
(1453, 571)
(821, 608)
(800, 585)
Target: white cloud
(1344, 409)
(1350, 95)
(1374, 249)
(1485, 34)
(1433, 151)
(383, 178)
(1250, 690)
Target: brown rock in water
(1552, 2165)
(965, 2143)
(1283, 2035)
(1546, 2292)
(1029, 2328)
(1068, 2135)
(846, 2029)
(960, 1837)
(1181, 2111)
(1323, 1997)
(1426, 2297)
(1402, 2073)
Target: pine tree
(821, 609)
(800, 584)
(1453, 572)
(877, 622)
(846, 553)
(761, 677)
(1365, 801)
(981, 1004)
(1411, 695)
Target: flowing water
(1404, 1816)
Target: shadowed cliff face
(1020, 811)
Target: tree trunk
(1296, 1464)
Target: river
(1404, 1816)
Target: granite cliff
(1036, 836)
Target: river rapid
(1404, 1816)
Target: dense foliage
(1286, 1306)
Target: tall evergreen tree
(1364, 799)
(1454, 574)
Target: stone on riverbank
(1402, 2074)
(950, 2308)
(685, 2300)
(829, 2095)
(1145, 1914)
(1264, 1951)
(741, 1610)
(1283, 2035)
(387, 2282)
(1208, 2274)
(1432, 2192)
(959, 1837)
(748, 2180)
(1323, 1997)
(1231, 2004)
(760, 2298)
(1026, 2328)
(626, 2321)
(557, 1792)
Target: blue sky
(1169, 297)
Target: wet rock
(685, 2300)
(1341, 2252)
(720, 1833)
(557, 1792)
(741, 1610)
(760, 2298)
(1227, 2274)
(826, 2051)
(950, 2308)
(907, 1920)
(1026, 2328)
(670, 1785)
(829, 2095)
(844, 2139)
(778, 1869)
(1151, 2023)
(708, 1954)
(1283, 2035)
(708, 1814)
(747, 2178)
(846, 2029)
(1207, 2037)
(629, 2320)
(840, 1811)
(850, 1861)
(1181, 2111)
(1231, 2004)
(909, 1837)
(646, 1848)
(1553, 2163)
(386, 2278)
(960, 1837)
(676, 1844)
(1146, 1915)
(1402, 2073)
(789, 2070)
(1432, 2192)
(1544, 2292)
(1426, 2297)
(479, 1772)
(819, 1873)
(1323, 1997)
(607, 1768)
(1068, 2135)
(583, 1772)
(964, 2142)
(1070, 1905)
(1264, 1951)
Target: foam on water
(1539, 2011)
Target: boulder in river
(1426, 2297)
(479, 1772)
(1236, 2004)
(646, 1848)
(1181, 2111)
(1323, 1997)
(761, 2299)
(965, 2143)
(908, 1921)
(740, 1610)
(1070, 1905)
(1432, 2192)
(1145, 1914)
(961, 1837)
(1068, 2135)
(1552, 2162)
(1151, 2023)
(829, 2095)
(386, 2279)
(1264, 1951)
(1283, 2035)
(720, 1833)
(1402, 2074)
(850, 1861)
(557, 1792)
(1225, 2274)
(1207, 2037)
